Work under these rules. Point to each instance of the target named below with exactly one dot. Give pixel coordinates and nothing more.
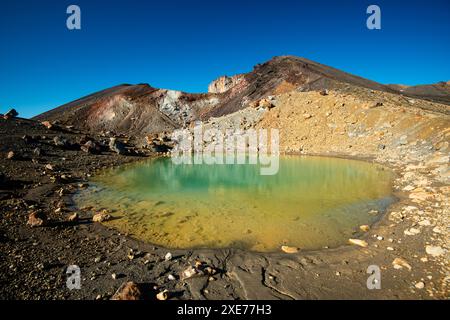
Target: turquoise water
(311, 203)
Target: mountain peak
(141, 109)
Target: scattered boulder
(419, 285)
(198, 269)
(47, 124)
(358, 242)
(36, 219)
(288, 249)
(73, 217)
(168, 256)
(11, 155)
(91, 147)
(131, 255)
(323, 92)
(434, 251)
(266, 103)
(364, 228)
(163, 295)
(101, 217)
(263, 103)
(400, 263)
(189, 273)
(117, 146)
(60, 142)
(171, 277)
(128, 291)
(160, 142)
(437, 230)
(411, 231)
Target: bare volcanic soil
(42, 172)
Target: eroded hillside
(140, 110)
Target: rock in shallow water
(358, 242)
(364, 228)
(101, 217)
(288, 249)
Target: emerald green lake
(312, 202)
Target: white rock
(164, 295)
(358, 242)
(171, 277)
(411, 232)
(400, 263)
(189, 273)
(425, 223)
(168, 256)
(419, 285)
(288, 249)
(434, 251)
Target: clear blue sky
(185, 44)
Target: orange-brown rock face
(224, 83)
